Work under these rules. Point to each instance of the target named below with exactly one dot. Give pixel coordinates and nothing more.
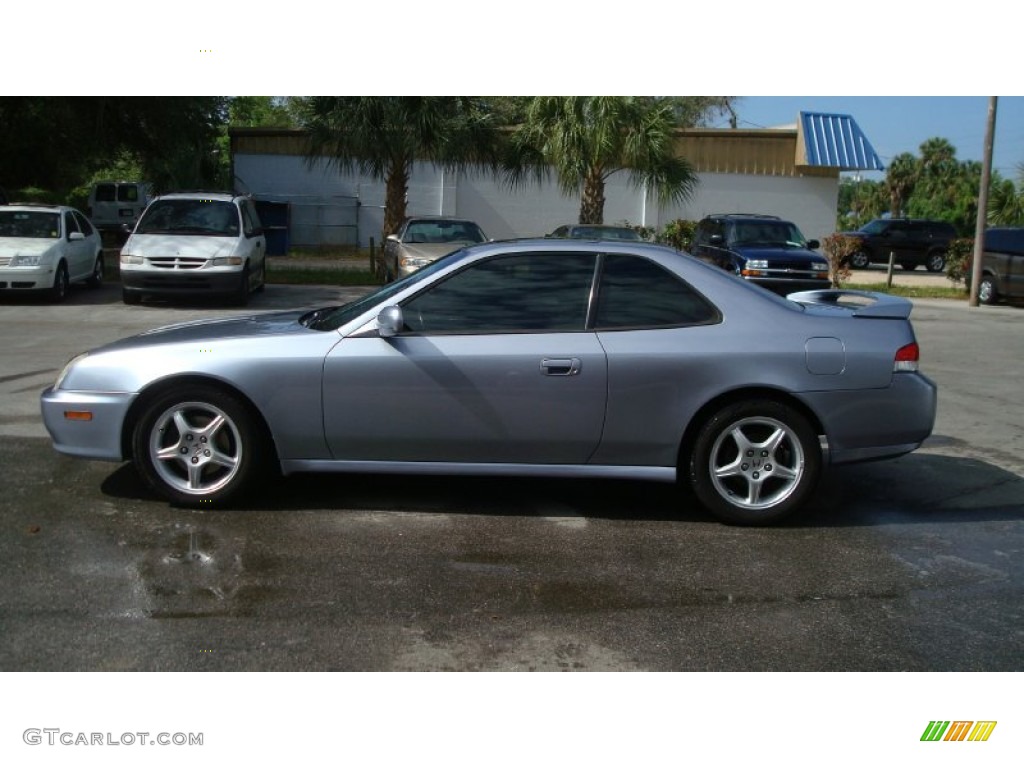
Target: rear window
(105, 193)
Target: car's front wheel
(936, 261)
(61, 284)
(755, 462)
(198, 445)
(95, 280)
(860, 260)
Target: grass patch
(912, 291)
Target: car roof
(45, 207)
(200, 195)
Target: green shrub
(678, 234)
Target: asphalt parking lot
(911, 564)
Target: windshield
(443, 232)
(190, 217)
(780, 233)
(37, 224)
(332, 318)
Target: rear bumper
(880, 423)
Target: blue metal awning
(834, 141)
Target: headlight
(820, 266)
(67, 369)
(227, 261)
(27, 260)
(130, 258)
(414, 262)
(757, 264)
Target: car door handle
(560, 366)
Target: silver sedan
(559, 358)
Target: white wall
(534, 209)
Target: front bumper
(26, 278)
(784, 285)
(174, 282)
(100, 436)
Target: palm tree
(1006, 201)
(900, 178)
(382, 136)
(583, 140)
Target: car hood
(195, 246)
(779, 253)
(431, 251)
(216, 329)
(12, 246)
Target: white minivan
(115, 206)
(192, 244)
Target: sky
(896, 124)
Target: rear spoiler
(863, 303)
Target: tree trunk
(394, 202)
(592, 202)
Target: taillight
(907, 358)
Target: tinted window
(83, 224)
(443, 232)
(637, 293)
(528, 293)
(128, 193)
(29, 224)
(70, 225)
(105, 193)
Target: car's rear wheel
(936, 261)
(61, 284)
(755, 462)
(96, 278)
(860, 260)
(987, 293)
(198, 446)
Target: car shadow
(920, 488)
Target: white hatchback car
(194, 244)
(46, 248)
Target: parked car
(764, 250)
(115, 206)
(195, 244)
(913, 241)
(596, 232)
(534, 357)
(46, 248)
(1002, 265)
(423, 239)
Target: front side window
(637, 293)
(531, 293)
(70, 225)
(190, 217)
(83, 224)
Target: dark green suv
(913, 242)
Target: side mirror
(813, 245)
(390, 321)
(76, 236)
(393, 238)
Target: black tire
(199, 446)
(935, 262)
(987, 293)
(61, 284)
(764, 478)
(241, 297)
(130, 297)
(860, 260)
(95, 280)
(263, 277)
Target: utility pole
(979, 227)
